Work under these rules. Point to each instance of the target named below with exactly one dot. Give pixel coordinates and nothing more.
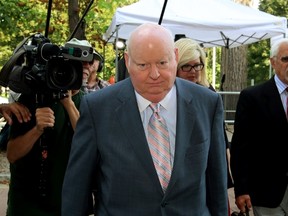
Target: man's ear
(272, 61)
(126, 58)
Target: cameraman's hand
(67, 101)
(243, 201)
(70, 107)
(21, 112)
(44, 118)
(21, 145)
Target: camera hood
(16, 81)
(16, 59)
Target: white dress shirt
(168, 111)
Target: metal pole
(48, 18)
(214, 67)
(162, 12)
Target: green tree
(258, 53)
(20, 19)
(17, 20)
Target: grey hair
(275, 47)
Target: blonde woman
(191, 66)
(192, 59)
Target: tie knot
(155, 107)
(286, 89)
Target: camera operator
(94, 82)
(91, 81)
(38, 152)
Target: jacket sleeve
(217, 196)
(77, 186)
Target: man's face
(89, 68)
(280, 63)
(152, 67)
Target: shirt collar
(143, 103)
(280, 85)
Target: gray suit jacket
(110, 152)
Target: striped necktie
(158, 139)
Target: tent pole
(214, 67)
(162, 12)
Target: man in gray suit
(111, 147)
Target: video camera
(39, 66)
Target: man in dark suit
(259, 143)
(111, 147)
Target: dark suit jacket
(110, 141)
(259, 147)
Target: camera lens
(64, 74)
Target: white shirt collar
(143, 103)
(280, 85)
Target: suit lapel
(185, 124)
(131, 122)
(273, 102)
(130, 119)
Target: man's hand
(44, 118)
(243, 201)
(21, 145)
(70, 107)
(21, 112)
(67, 101)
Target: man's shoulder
(189, 84)
(103, 83)
(259, 88)
(192, 91)
(120, 89)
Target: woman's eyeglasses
(196, 67)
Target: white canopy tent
(210, 22)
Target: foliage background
(19, 19)
(258, 53)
